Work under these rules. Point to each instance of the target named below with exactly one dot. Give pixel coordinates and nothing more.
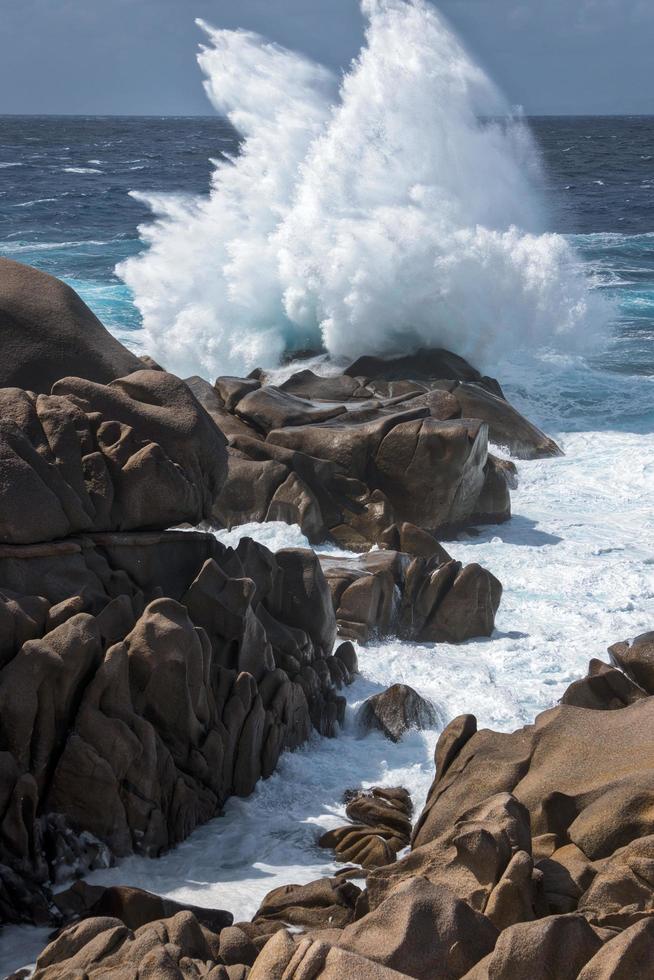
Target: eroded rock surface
(531, 860)
(388, 443)
(132, 715)
(137, 453)
(396, 711)
(380, 827)
(427, 599)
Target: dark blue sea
(67, 203)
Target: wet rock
(380, 827)
(366, 456)
(396, 711)
(379, 806)
(467, 608)
(429, 600)
(425, 364)
(346, 653)
(506, 426)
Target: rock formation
(396, 711)
(532, 860)
(147, 672)
(380, 827)
(355, 456)
(429, 600)
(48, 333)
(146, 678)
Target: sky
(138, 56)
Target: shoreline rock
(531, 859)
(148, 673)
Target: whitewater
(376, 215)
(392, 211)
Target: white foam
(274, 535)
(38, 200)
(374, 218)
(82, 170)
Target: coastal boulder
(138, 453)
(49, 333)
(395, 711)
(380, 827)
(636, 659)
(431, 600)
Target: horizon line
(216, 116)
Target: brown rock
(589, 787)
(506, 426)
(424, 364)
(637, 660)
(324, 904)
(603, 689)
(48, 333)
(467, 609)
(423, 930)
(396, 711)
(269, 408)
(138, 453)
(282, 959)
(558, 946)
(627, 957)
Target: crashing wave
(395, 210)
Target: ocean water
(67, 206)
(212, 231)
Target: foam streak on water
(375, 218)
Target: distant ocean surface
(66, 207)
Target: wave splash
(394, 210)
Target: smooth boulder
(49, 333)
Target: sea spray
(396, 211)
